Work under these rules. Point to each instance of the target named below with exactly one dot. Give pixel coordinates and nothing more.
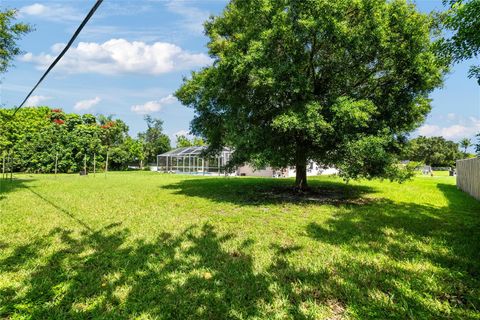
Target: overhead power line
(75, 35)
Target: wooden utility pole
(11, 165)
(3, 165)
(1, 180)
(56, 164)
(106, 165)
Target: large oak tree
(339, 82)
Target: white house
(313, 169)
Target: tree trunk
(3, 166)
(301, 170)
(301, 177)
(56, 164)
(106, 165)
(10, 157)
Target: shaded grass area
(151, 246)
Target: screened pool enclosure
(190, 160)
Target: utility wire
(75, 35)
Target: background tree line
(37, 136)
(436, 151)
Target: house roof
(188, 151)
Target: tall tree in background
(136, 151)
(463, 19)
(113, 135)
(465, 143)
(183, 141)
(10, 33)
(477, 146)
(433, 151)
(338, 82)
(154, 141)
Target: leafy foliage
(10, 33)
(463, 18)
(294, 81)
(183, 141)
(477, 146)
(465, 143)
(434, 151)
(154, 141)
(37, 136)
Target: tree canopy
(477, 146)
(183, 141)
(433, 151)
(463, 19)
(465, 143)
(36, 136)
(338, 82)
(10, 33)
(154, 141)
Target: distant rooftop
(188, 151)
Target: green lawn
(151, 246)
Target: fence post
(3, 165)
(56, 164)
(106, 165)
(11, 165)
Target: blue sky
(132, 56)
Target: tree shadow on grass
(190, 275)
(420, 255)
(102, 275)
(258, 191)
(60, 209)
(395, 261)
(8, 186)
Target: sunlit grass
(153, 246)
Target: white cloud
(87, 104)
(34, 101)
(466, 128)
(53, 12)
(117, 56)
(185, 133)
(153, 106)
(428, 130)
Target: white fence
(468, 176)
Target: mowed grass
(153, 246)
